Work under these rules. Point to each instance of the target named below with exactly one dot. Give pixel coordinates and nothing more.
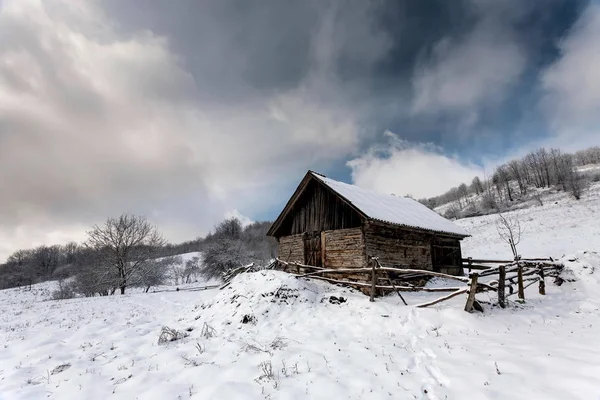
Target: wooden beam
(501, 286)
(373, 281)
(426, 272)
(383, 287)
(542, 285)
(472, 291)
(476, 266)
(521, 289)
(481, 261)
(323, 249)
(436, 301)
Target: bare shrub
(223, 255)
(452, 212)
(469, 211)
(208, 331)
(153, 274)
(266, 369)
(232, 246)
(60, 368)
(488, 201)
(199, 348)
(192, 269)
(65, 291)
(170, 335)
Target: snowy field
(271, 336)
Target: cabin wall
(318, 209)
(291, 248)
(407, 248)
(399, 247)
(344, 248)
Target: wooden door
(445, 255)
(312, 249)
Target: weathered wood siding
(344, 248)
(318, 209)
(291, 248)
(398, 247)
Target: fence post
(501, 286)
(472, 289)
(542, 284)
(470, 263)
(521, 289)
(373, 281)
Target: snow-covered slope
(271, 336)
(561, 226)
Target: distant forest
(228, 245)
(520, 180)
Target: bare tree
(510, 231)
(229, 228)
(463, 191)
(574, 181)
(518, 172)
(176, 269)
(94, 274)
(503, 176)
(192, 269)
(476, 186)
(126, 245)
(69, 251)
(223, 255)
(544, 161)
(46, 259)
(155, 274)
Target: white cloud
(571, 85)
(245, 220)
(465, 73)
(95, 123)
(418, 169)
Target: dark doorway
(445, 254)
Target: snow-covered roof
(392, 209)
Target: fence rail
(518, 274)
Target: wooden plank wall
(291, 248)
(318, 209)
(398, 247)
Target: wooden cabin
(332, 224)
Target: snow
(321, 341)
(561, 226)
(392, 209)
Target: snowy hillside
(460, 205)
(272, 336)
(561, 226)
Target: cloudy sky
(188, 111)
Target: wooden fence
(511, 275)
